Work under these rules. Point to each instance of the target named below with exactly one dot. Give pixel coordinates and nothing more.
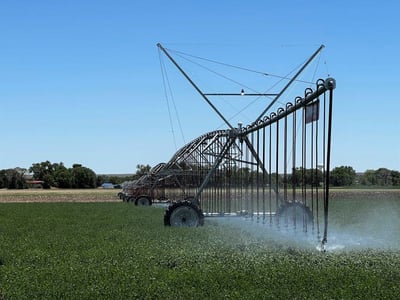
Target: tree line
(78, 176)
(341, 176)
(346, 176)
(47, 175)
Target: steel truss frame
(275, 170)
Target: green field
(113, 250)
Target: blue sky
(80, 81)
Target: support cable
(164, 74)
(236, 67)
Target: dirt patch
(58, 195)
(365, 194)
(110, 195)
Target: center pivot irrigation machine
(274, 170)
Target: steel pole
(195, 86)
(290, 82)
(330, 85)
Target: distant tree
(48, 181)
(3, 179)
(369, 178)
(39, 170)
(395, 178)
(310, 177)
(295, 179)
(381, 177)
(63, 177)
(242, 176)
(276, 180)
(13, 178)
(58, 175)
(342, 176)
(48, 172)
(101, 179)
(83, 177)
(384, 176)
(314, 177)
(142, 170)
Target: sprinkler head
(330, 83)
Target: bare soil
(376, 194)
(58, 195)
(110, 195)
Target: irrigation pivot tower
(274, 170)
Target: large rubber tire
(183, 214)
(294, 214)
(143, 201)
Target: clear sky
(80, 81)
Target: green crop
(119, 251)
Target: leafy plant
(119, 251)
